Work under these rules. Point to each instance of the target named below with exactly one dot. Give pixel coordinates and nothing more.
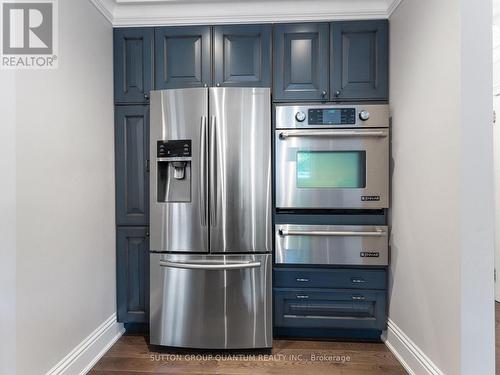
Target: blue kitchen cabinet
(131, 164)
(242, 55)
(330, 308)
(359, 53)
(182, 57)
(341, 303)
(132, 274)
(301, 70)
(133, 64)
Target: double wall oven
(332, 159)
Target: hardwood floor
(131, 355)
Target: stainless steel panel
(240, 183)
(211, 301)
(180, 226)
(285, 116)
(332, 244)
(376, 146)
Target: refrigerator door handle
(203, 170)
(213, 176)
(209, 266)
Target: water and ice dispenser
(174, 170)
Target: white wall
(65, 193)
(7, 224)
(441, 288)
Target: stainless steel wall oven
(332, 156)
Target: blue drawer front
(330, 278)
(314, 308)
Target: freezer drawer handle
(332, 133)
(214, 266)
(284, 232)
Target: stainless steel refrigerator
(210, 218)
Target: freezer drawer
(345, 309)
(211, 301)
(343, 278)
(332, 244)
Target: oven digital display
(332, 116)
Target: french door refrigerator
(210, 218)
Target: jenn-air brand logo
(370, 198)
(29, 34)
(369, 254)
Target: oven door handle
(212, 266)
(333, 133)
(376, 233)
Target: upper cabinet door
(301, 61)
(131, 163)
(242, 55)
(182, 57)
(359, 60)
(133, 64)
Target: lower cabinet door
(341, 309)
(132, 274)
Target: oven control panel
(331, 115)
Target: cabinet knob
(205, 85)
(323, 93)
(217, 84)
(146, 96)
(337, 93)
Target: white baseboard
(86, 354)
(411, 357)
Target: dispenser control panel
(180, 148)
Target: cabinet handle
(147, 166)
(302, 296)
(358, 281)
(358, 298)
(337, 93)
(302, 280)
(147, 234)
(323, 93)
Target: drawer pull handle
(358, 298)
(336, 233)
(302, 280)
(358, 281)
(302, 296)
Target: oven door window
(331, 169)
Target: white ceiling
(196, 12)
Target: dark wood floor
(131, 355)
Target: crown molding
(121, 13)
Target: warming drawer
(332, 245)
